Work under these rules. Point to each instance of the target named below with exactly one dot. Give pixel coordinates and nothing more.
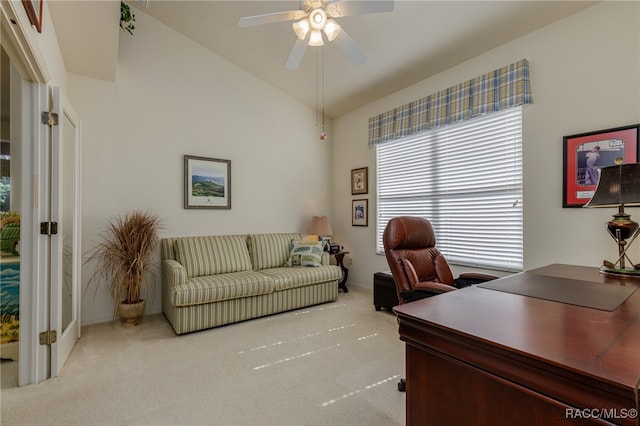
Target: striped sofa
(211, 281)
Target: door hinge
(48, 337)
(49, 118)
(48, 228)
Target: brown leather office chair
(418, 268)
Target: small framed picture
(586, 153)
(360, 213)
(326, 243)
(207, 183)
(360, 181)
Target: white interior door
(66, 254)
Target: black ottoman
(384, 291)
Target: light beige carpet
(331, 364)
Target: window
(466, 179)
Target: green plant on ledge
(127, 18)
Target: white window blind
(466, 179)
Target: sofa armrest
(173, 273)
(325, 260)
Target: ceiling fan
(316, 17)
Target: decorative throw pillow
(305, 253)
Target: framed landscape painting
(207, 183)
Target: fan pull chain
(323, 133)
(317, 87)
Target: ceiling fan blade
(350, 48)
(339, 8)
(297, 53)
(270, 18)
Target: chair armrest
(478, 276)
(425, 289)
(173, 273)
(472, 278)
(433, 286)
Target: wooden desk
(484, 357)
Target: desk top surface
(605, 344)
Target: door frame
(29, 97)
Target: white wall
(172, 98)
(585, 73)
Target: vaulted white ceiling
(416, 40)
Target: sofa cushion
(306, 253)
(300, 276)
(270, 250)
(221, 254)
(216, 288)
(167, 248)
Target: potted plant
(127, 18)
(124, 257)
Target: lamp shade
(301, 28)
(320, 226)
(315, 39)
(332, 29)
(618, 185)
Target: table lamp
(319, 227)
(619, 186)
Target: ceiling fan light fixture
(318, 19)
(301, 28)
(332, 29)
(316, 38)
(315, 17)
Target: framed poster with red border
(34, 12)
(585, 153)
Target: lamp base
(604, 269)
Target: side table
(342, 284)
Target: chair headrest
(407, 233)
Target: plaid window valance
(500, 89)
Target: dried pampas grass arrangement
(124, 255)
